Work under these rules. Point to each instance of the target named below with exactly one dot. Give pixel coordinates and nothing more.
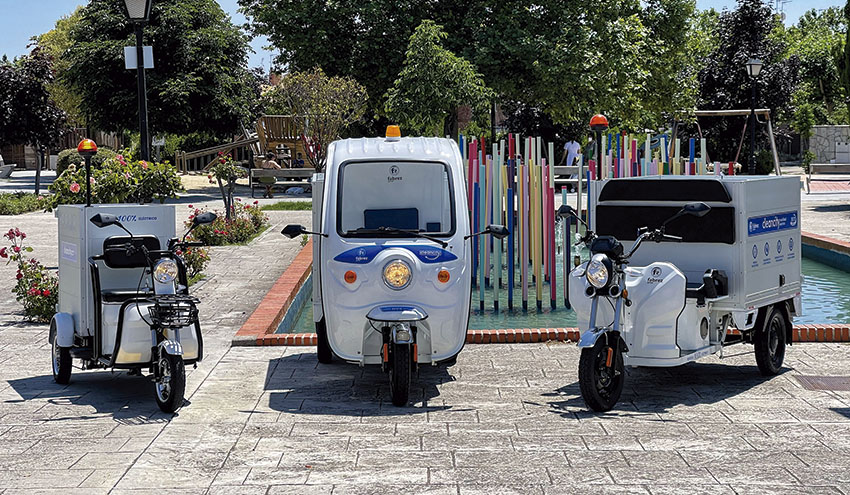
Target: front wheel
(769, 342)
(171, 384)
(400, 374)
(601, 375)
(61, 357)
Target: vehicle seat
(715, 283)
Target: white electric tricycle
(713, 262)
(391, 257)
(124, 301)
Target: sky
(22, 19)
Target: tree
(433, 82)
(844, 64)
(744, 33)
(28, 115)
(323, 106)
(55, 43)
(199, 84)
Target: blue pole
(474, 223)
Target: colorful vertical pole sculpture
(647, 155)
(475, 196)
(703, 154)
(497, 217)
(567, 245)
(677, 158)
(691, 153)
(510, 219)
(487, 211)
(538, 224)
(481, 226)
(523, 186)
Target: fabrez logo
(656, 272)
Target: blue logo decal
(390, 309)
(365, 254)
(766, 249)
(778, 246)
(772, 223)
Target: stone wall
(827, 139)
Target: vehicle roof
(406, 148)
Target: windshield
(394, 195)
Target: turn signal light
(350, 276)
(443, 276)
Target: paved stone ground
(505, 419)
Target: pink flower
(19, 276)
(127, 175)
(120, 158)
(222, 160)
(17, 249)
(75, 188)
(238, 199)
(220, 153)
(92, 181)
(3, 253)
(45, 292)
(256, 202)
(190, 206)
(23, 236)
(144, 164)
(179, 252)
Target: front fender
(589, 337)
(62, 328)
(171, 347)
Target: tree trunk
(225, 198)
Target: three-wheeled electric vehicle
(391, 257)
(124, 301)
(714, 261)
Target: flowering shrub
(36, 288)
(195, 259)
(19, 202)
(70, 157)
(245, 222)
(118, 180)
(226, 173)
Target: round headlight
(397, 274)
(597, 272)
(165, 271)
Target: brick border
(259, 329)
(260, 326)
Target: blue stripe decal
(365, 254)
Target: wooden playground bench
(301, 176)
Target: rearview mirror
(204, 218)
(293, 230)
(698, 209)
(497, 231)
(102, 220)
(565, 211)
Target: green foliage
(27, 112)
(69, 156)
(764, 162)
(433, 82)
(36, 288)
(245, 223)
(288, 206)
(804, 120)
(55, 43)
(200, 84)
(19, 202)
(226, 173)
(116, 181)
(323, 106)
(195, 259)
(809, 157)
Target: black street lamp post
(754, 66)
(138, 11)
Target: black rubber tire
(323, 348)
(769, 342)
(400, 374)
(171, 401)
(61, 360)
(599, 389)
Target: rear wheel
(171, 384)
(400, 374)
(600, 380)
(769, 342)
(323, 348)
(61, 357)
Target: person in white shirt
(571, 152)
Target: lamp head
(754, 66)
(138, 10)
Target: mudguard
(171, 347)
(62, 328)
(589, 337)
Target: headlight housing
(397, 274)
(165, 271)
(598, 274)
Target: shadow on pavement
(657, 390)
(94, 394)
(298, 384)
(831, 208)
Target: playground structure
(514, 183)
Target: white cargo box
(752, 232)
(79, 239)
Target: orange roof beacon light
(393, 133)
(87, 149)
(598, 122)
(86, 146)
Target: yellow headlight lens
(165, 271)
(397, 274)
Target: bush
(245, 223)
(117, 181)
(69, 156)
(19, 202)
(764, 162)
(195, 259)
(36, 288)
